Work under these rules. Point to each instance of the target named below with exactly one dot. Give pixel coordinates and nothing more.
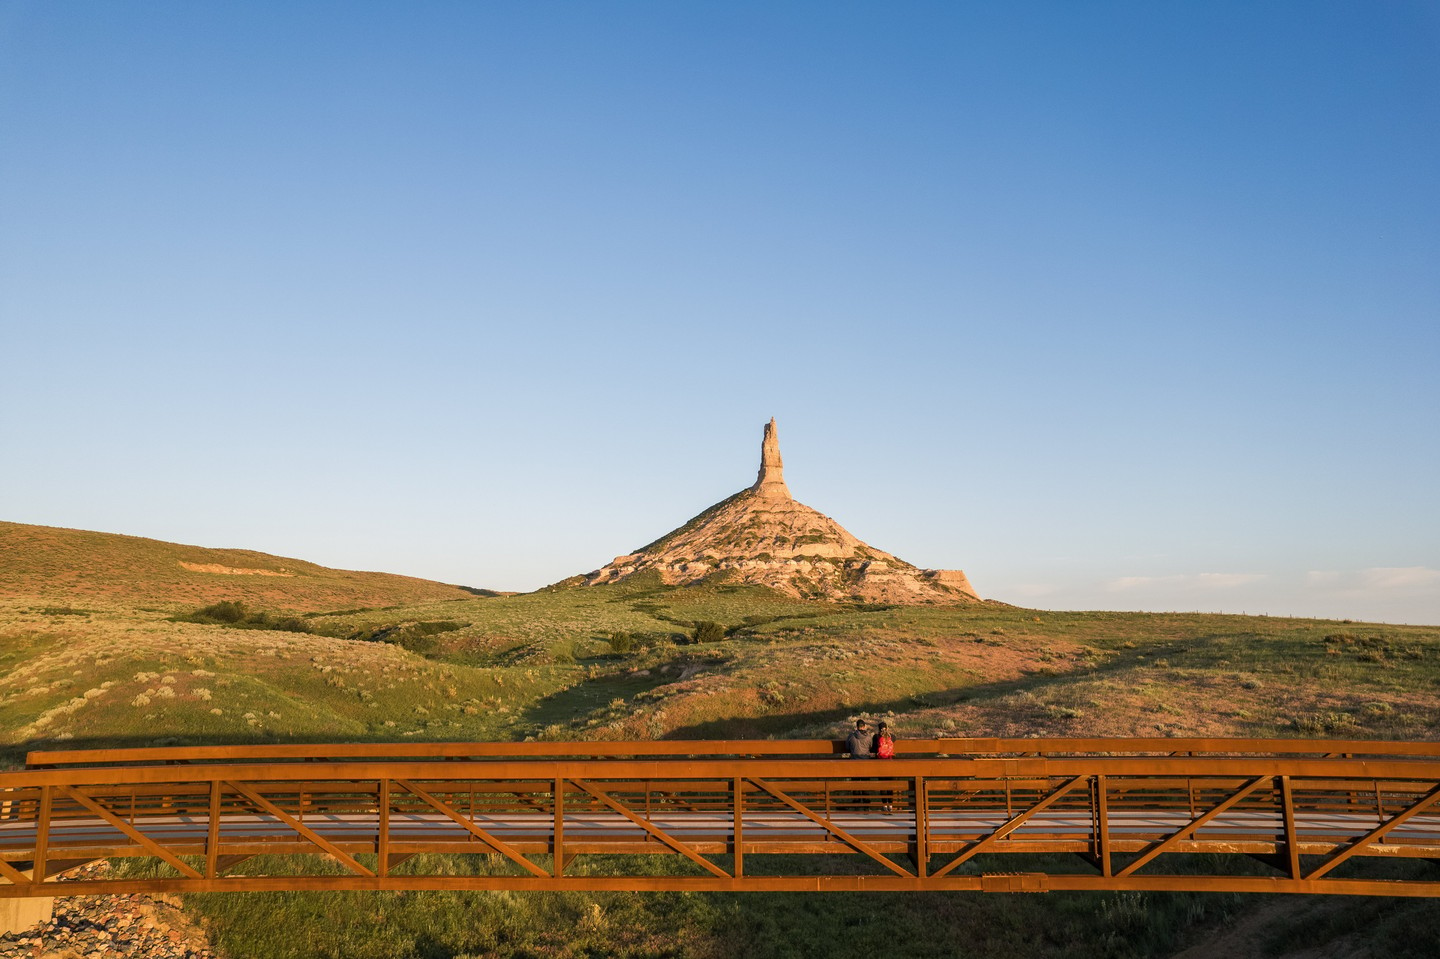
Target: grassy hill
(545, 665)
(93, 651)
(69, 565)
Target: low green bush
(417, 637)
(237, 615)
(708, 632)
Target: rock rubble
(105, 927)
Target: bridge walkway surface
(1277, 815)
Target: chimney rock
(770, 484)
(762, 537)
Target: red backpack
(886, 748)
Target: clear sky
(1113, 305)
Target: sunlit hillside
(68, 565)
(113, 641)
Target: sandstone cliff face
(761, 535)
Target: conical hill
(762, 535)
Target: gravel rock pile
(101, 927)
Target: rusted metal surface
(809, 748)
(353, 814)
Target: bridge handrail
(669, 769)
(920, 821)
(490, 751)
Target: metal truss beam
(1144, 802)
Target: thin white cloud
(1185, 581)
(1377, 579)
(1031, 590)
(1386, 594)
(1406, 578)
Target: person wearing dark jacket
(860, 744)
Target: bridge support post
(382, 828)
(42, 830)
(1292, 844)
(20, 914)
(738, 835)
(922, 830)
(557, 856)
(212, 833)
(1102, 829)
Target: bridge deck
(1310, 810)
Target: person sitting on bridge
(859, 745)
(884, 743)
(885, 749)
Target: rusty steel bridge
(547, 816)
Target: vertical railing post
(42, 833)
(212, 833)
(738, 831)
(922, 829)
(382, 835)
(1102, 836)
(558, 833)
(1287, 812)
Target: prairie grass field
(545, 665)
(1119, 925)
(317, 656)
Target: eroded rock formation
(762, 535)
(770, 484)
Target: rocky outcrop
(770, 484)
(761, 535)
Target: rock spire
(770, 484)
(762, 536)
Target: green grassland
(69, 565)
(543, 665)
(91, 654)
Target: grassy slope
(539, 665)
(73, 565)
(107, 669)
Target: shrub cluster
(237, 615)
(708, 632)
(417, 637)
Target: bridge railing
(917, 821)
(795, 748)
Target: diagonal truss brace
(854, 841)
(652, 829)
(305, 831)
(149, 844)
(1170, 841)
(1420, 805)
(1015, 823)
(13, 875)
(499, 845)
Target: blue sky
(1113, 305)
